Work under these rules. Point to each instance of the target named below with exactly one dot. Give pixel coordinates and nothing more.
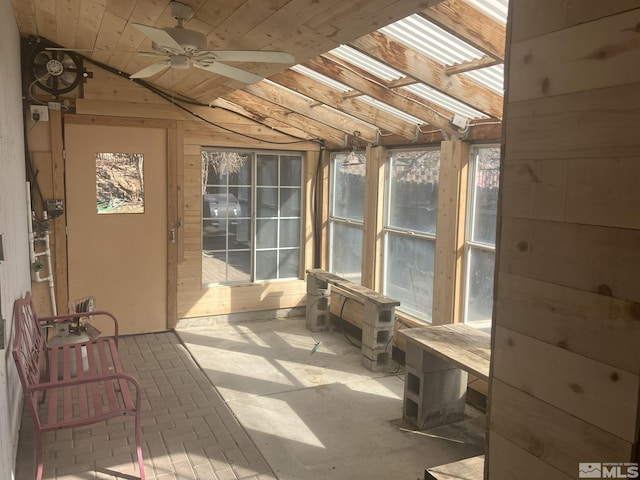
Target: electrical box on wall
(39, 113)
(55, 207)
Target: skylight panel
(425, 37)
(322, 78)
(391, 110)
(443, 100)
(367, 63)
(496, 9)
(490, 77)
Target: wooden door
(117, 246)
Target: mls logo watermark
(608, 470)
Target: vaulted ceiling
(394, 71)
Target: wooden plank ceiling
(309, 30)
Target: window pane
(289, 263)
(243, 197)
(267, 202)
(267, 170)
(216, 268)
(266, 265)
(346, 251)
(290, 202)
(409, 273)
(290, 170)
(347, 189)
(239, 234)
(479, 295)
(289, 233)
(266, 233)
(487, 168)
(413, 190)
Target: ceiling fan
(183, 48)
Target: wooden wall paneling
(66, 32)
(604, 396)
(179, 185)
(591, 258)
(312, 160)
(580, 125)
(323, 207)
(372, 235)
(454, 162)
(558, 438)
(513, 462)
(538, 17)
(583, 322)
(59, 224)
(584, 57)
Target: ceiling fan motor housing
(191, 41)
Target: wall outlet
(40, 113)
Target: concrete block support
(434, 391)
(318, 307)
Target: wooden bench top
(353, 288)
(461, 345)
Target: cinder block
(378, 316)
(376, 336)
(317, 315)
(434, 398)
(316, 286)
(376, 359)
(424, 361)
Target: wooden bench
(467, 469)
(378, 320)
(72, 397)
(436, 363)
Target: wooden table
(437, 361)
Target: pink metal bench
(74, 396)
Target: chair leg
(39, 455)
(139, 447)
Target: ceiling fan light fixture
(179, 61)
(191, 41)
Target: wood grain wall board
(591, 191)
(449, 247)
(533, 18)
(590, 258)
(585, 57)
(554, 436)
(89, 19)
(69, 10)
(535, 188)
(46, 18)
(511, 462)
(599, 327)
(26, 16)
(604, 396)
(237, 299)
(372, 233)
(580, 125)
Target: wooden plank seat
(467, 469)
(437, 361)
(88, 385)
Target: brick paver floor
(188, 432)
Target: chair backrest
(29, 347)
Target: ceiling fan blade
(250, 56)
(229, 71)
(151, 69)
(160, 37)
(143, 54)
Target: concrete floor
(260, 407)
(321, 415)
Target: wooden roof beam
(312, 110)
(471, 25)
(379, 92)
(430, 72)
(354, 107)
(265, 109)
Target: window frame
(253, 248)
